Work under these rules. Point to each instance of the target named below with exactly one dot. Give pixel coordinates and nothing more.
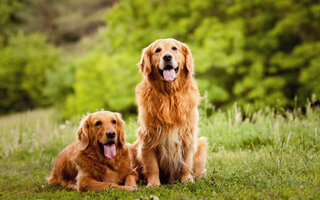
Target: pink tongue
(110, 150)
(169, 74)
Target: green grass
(265, 156)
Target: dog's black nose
(167, 57)
(111, 133)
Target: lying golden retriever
(99, 159)
(167, 98)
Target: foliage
(103, 81)
(8, 20)
(258, 53)
(265, 156)
(23, 63)
(59, 81)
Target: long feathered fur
(168, 115)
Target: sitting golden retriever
(99, 159)
(167, 148)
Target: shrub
(23, 63)
(103, 82)
(60, 80)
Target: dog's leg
(151, 167)
(200, 157)
(131, 179)
(187, 167)
(188, 163)
(86, 183)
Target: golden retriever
(99, 159)
(167, 148)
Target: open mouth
(108, 149)
(169, 73)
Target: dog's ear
(120, 130)
(188, 58)
(145, 63)
(83, 133)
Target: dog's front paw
(130, 188)
(153, 184)
(198, 175)
(153, 181)
(187, 179)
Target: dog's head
(166, 59)
(102, 130)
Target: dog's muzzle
(108, 148)
(169, 72)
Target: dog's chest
(170, 150)
(116, 175)
(169, 110)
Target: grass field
(264, 156)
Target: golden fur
(83, 166)
(167, 148)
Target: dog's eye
(158, 50)
(113, 121)
(98, 123)
(174, 48)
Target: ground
(266, 155)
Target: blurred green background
(80, 55)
